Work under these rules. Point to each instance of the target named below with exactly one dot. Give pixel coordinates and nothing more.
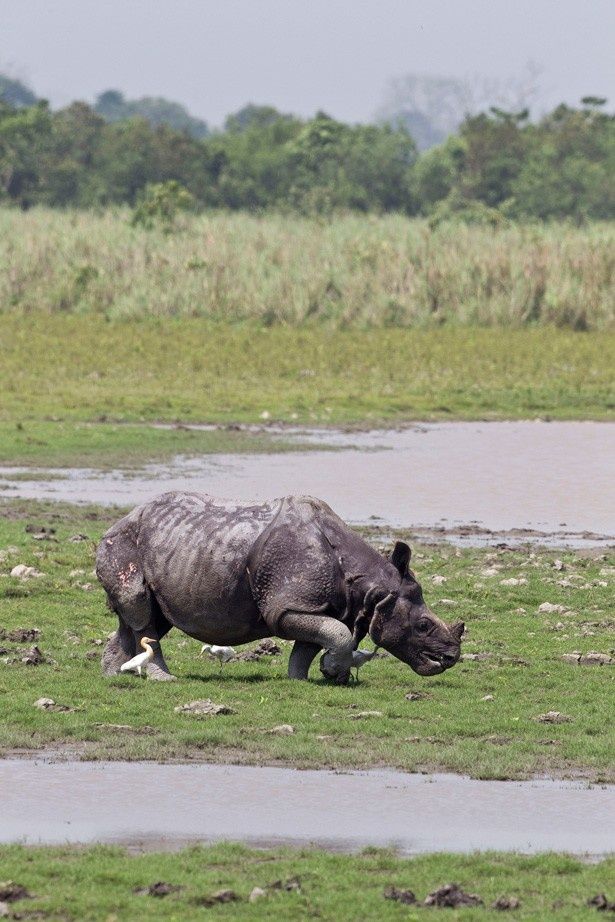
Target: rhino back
(193, 550)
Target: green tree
(113, 107)
(15, 93)
(24, 141)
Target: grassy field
(75, 369)
(358, 271)
(107, 446)
(103, 883)
(479, 718)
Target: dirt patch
(204, 707)
(452, 896)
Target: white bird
(359, 657)
(222, 654)
(141, 659)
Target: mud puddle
(467, 482)
(152, 806)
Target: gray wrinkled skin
(228, 574)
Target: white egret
(222, 654)
(141, 659)
(359, 657)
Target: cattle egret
(141, 659)
(222, 654)
(359, 657)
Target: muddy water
(469, 479)
(146, 805)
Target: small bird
(222, 654)
(359, 657)
(141, 659)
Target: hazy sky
(300, 55)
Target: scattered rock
(503, 903)
(400, 896)
(10, 892)
(588, 659)
(282, 730)
(601, 903)
(39, 529)
(437, 579)
(290, 884)
(514, 581)
(160, 889)
(548, 608)
(559, 565)
(33, 657)
(362, 714)
(22, 572)
(79, 537)
(596, 659)
(490, 571)
(205, 707)
(257, 894)
(416, 696)
(553, 717)
(447, 602)
(4, 910)
(86, 587)
(266, 647)
(472, 657)
(221, 896)
(48, 704)
(21, 634)
(451, 896)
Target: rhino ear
(400, 557)
(457, 630)
(382, 609)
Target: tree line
(500, 165)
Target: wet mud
(150, 806)
(472, 483)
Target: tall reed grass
(350, 271)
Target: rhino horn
(457, 630)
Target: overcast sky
(300, 55)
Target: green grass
(87, 369)
(351, 271)
(99, 883)
(452, 728)
(105, 446)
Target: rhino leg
(301, 658)
(138, 611)
(119, 649)
(317, 632)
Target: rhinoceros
(226, 573)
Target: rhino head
(403, 624)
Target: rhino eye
(423, 626)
